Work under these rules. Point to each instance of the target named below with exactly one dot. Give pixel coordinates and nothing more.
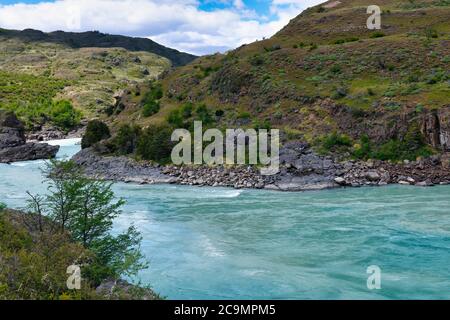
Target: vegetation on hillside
(35, 74)
(325, 72)
(31, 98)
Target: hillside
(324, 73)
(100, 40)
(37, 69)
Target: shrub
(96, 131)
(2, 206)
(151, 99)
(126, 139)
(176, 119)
(313, 46)
(186, 110)
(334, 142)
(155, 143)
(364, 149)
(244, 115)
(431, 33)
(64, 115)
(150, 108)
(202, 114)
(377, 34)
(336, 69)
(262, 125)
(275, 47)
(256, 60)
(340, 93)
(341, 41)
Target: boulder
(372, 176)
(13, 146)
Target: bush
(64, 115)
(176, 119)
(96, 131)
(126, 139)
(377, 34)
(244, 115)
(364, 149)
(202, 114)
(186, 110)
(2, 206)
(256, 60)
(155, 143)
(342, 41)
(151, 104)
(431, 34)
(150, 108)
(313, 46)
(334, 142)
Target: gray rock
(28, 151)
(13, 146)
(372, 176)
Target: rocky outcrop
(123, 290)
(436, 128)
(119, 168)
(13, 145)
(301, 170)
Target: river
(214, 243)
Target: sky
(196, 26)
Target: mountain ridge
(100, 40)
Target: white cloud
(176, 23)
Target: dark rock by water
(13, 145)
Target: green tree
(96, 131)
(86, 209)
(126, 139)
(155, 143)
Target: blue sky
(196, 26)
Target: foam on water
(64, 142)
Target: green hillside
(326, 77)
(35, 73)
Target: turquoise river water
(213, 243)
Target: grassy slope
(356, 87)
(100, 40)
(88, 77)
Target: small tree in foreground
(86, 209)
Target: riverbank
(301, 170)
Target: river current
(214, 243)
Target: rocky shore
(301, 170)
(13, 144)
